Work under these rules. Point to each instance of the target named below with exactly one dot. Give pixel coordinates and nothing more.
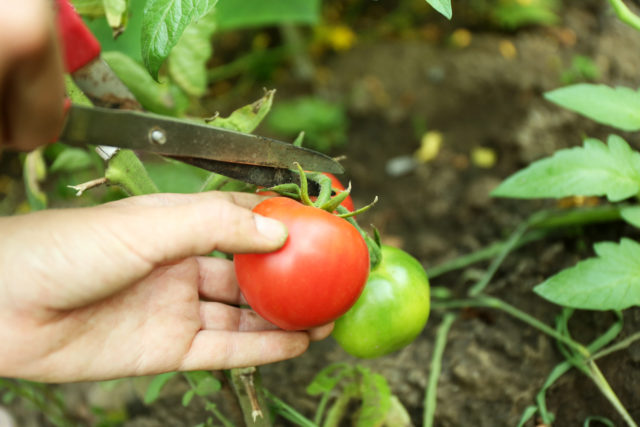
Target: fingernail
(271, 228)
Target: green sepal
(333, 202)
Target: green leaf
(156, 97)
(442, 6)
(188, 59)
(172, 176)
(187, 397)
(618, 107)
(324, 123)
(71, 160)
(163, 24)
(89, 8)
(631, 214)
(327, 379)
(74, 93)
(595, 169)
(376, 399)
(609, 282)
(232, 14)
(247, 118)
(203, 382)
(116, 13)
(156, 385)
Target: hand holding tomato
(122, 289)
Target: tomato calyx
(330, 203)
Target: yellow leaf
(429, 146)
(483, 157)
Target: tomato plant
(336, 185)
(315, 277)
(392, 310)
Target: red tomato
(315, 277)
(335, 184)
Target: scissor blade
(172, 137)
(258, 175)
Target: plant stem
(435, 369)
(538, 226)
(507, 247)
(625, 14)
(126, 170)
(247, 387)
(288, 412)
(593, 371)
(491, 302)
(296, 46)
(605, 388)
(617, 346)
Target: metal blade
(101, 85)
(173, 137)
(258, 175)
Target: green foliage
(161, 98)
(344, 383)
(246, 119)
(89, 8)
(595, 169)
(442, 6)
(324, 123)
(514, 14)
(618, 107)
(188, 59)
(71, 160)
(116, 13)
(582, 68)
(233, 14)
(609, 282)
(156, 385)
(163, 23)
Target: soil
(475, 96)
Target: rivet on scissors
(157, 136)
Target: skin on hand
(31, 75)
(123, 289)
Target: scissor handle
(79, 46)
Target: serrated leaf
(163, 23)
(442, 6)
(246, 119)
(188, 59)
(154, 96)
(631, 214)
(71, 160)
(595, 169)
(116, 12)
(618, 107)
(156, 385)
(234, 14)
(611, 281)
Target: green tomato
(391, 311)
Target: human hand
(120, 289)
(31, 75)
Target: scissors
(117, 120)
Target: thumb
(90, 253)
